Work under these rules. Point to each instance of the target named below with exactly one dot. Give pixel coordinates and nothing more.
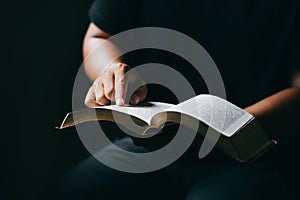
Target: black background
(41, 53)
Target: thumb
(139, 95)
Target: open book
(241, 137)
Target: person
(255, 45)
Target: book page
(217, 113)
(144, 112)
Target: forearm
(104, 67)
(279, 113)
(98, 52)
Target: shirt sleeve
(294, 47)
(294, 60)
(110, 15)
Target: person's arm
(279, 114)
(108, 77)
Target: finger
(108, 87)
(98, 89)
(90, 98)
(100, 98)
(120, 84)
(139, 95)
(103, 101)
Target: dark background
(41, 49)
(41, 54)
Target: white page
(217, 113)
(143, 112)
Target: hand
(112, 86)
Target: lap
(234, 183)
(186, 178)
(92, 179)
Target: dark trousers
(214, 177)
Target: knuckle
(99, 97)
(98, 94)
(106, 72)
(109, 70)
(123, 68)
(97, 82)
(109, 88)
(121, 80)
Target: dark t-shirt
(254, 43)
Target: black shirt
(254, 43)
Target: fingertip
(102, 102)
(120, 101)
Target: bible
(241, 137)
